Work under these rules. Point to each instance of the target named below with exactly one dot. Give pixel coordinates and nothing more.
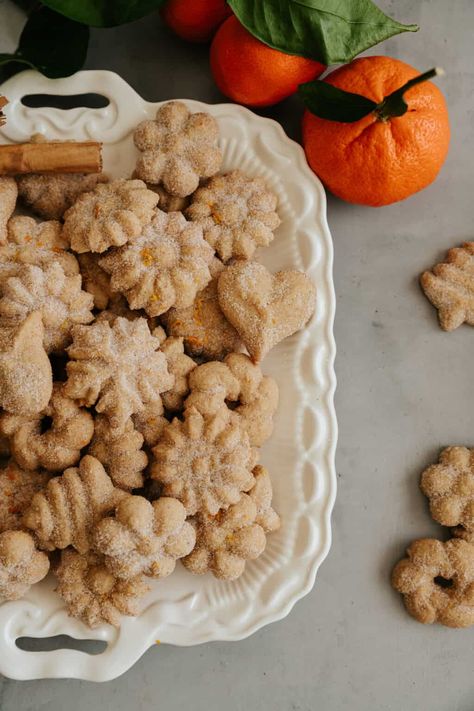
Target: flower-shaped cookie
(109, 216)
(437, 581)
(50, 195)
(59, 299)
(206, 331)
(144, 538)
(120, 451)
(180, 366)
(26, 377)
(449, 486)
(92, 594)
(178, 148)
(64, 513)
(51, 439)
(94, 279)
(237, 214)
(116, 367)
(236, 380)
(21, 565)
(205, 462)
(17, 488)
(164, 267)
(226, 541)
(8, 195)
(36, 243)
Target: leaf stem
(394, 104)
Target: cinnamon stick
(54, 157)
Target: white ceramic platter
(185, 609)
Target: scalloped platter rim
(184, 609)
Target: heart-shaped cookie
(265, 308)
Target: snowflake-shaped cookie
(205, 462)
(93, 594)
(109, 216)
(117, 367)
(58, 297)
(166, 266)
(237, 214)
(144, 538)
(178, 149)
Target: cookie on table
(237, 214)
(450, 287)
(178, 149)
(436, 580)
(449, 486)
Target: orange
(378, 162)
(249, 72)
(195, 20)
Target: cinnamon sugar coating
(59, 446)
(265, 308)
(49, 195)
(449, 486)
(8, 195)
(144, 538)
(17, 488)
(36, 243)
(117, 367)
(165, 266)
(436, 580)
(26, 378)
(225, 542)
(120, 451)
(204, 461)
(206, 331)
(237, 214)
(92, 594)
(64, 513)
(236, 380)
(450, 287)
(48, 290)
(180, 366)
(178, 149)
(109, 216)
(21, 565)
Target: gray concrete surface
(405, 390)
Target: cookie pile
(133, 319)
(436, 578)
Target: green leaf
(329, 102)
(104, 13)
(330, 31)
(53, 44)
